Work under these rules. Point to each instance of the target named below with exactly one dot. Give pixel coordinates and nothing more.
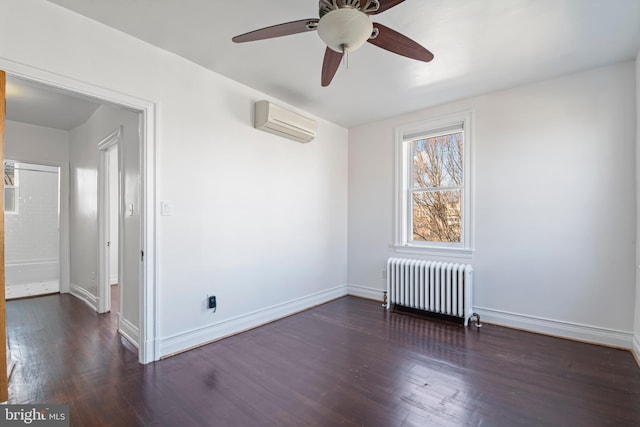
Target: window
(433, 190)
(10, 187)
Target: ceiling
(479, 46)
(40, 105)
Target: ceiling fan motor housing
(366, 6)
(345, 29)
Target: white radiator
(438, 287)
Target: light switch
(166, 208)
(130, 209)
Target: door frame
(112, 141)
(4, 380)
(148, 340)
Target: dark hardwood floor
(345, 363)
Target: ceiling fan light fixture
(345, 29)
(344, 26)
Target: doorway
(145, 299)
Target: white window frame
(405, 135)
(15, 187)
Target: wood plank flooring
(345, 363)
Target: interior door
(4, 386)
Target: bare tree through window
(436, 189)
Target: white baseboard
(128, 330)
(84, 295)
(575, 331)
(636, 348)
(213, 332)
(366, 292)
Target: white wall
(258, 220)
(42, 145)
(83, 211)
(36, 144)
(84, 142)
(554, 203)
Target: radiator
(437, 287)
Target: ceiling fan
(344, 26)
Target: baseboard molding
(366, 292)
(216, 331)
(575, 331)
(128, 330)
(636, 348)
(84, 295)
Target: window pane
(436, 216)
(9, 173)
(437, 161)
(9, 199)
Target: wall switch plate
(166, 208)
(211, 302)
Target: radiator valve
(477, 321)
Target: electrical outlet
(211, 302)
(384, 274)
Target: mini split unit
(278, 120)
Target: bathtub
(30, 278)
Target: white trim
(148, 337)
(206, 334)
(128, 330)
(575, 331)
(108, 143)
(84, 295)
(65, 226)
(402, 178)
(15, 187)
(366, 292)
(430, 251)
(110, 140)
(635, 350)
(149, 348)
(32, 262)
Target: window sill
(434, 251)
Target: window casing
(10, 187)
(434, 186)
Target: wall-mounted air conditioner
(272, 118)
